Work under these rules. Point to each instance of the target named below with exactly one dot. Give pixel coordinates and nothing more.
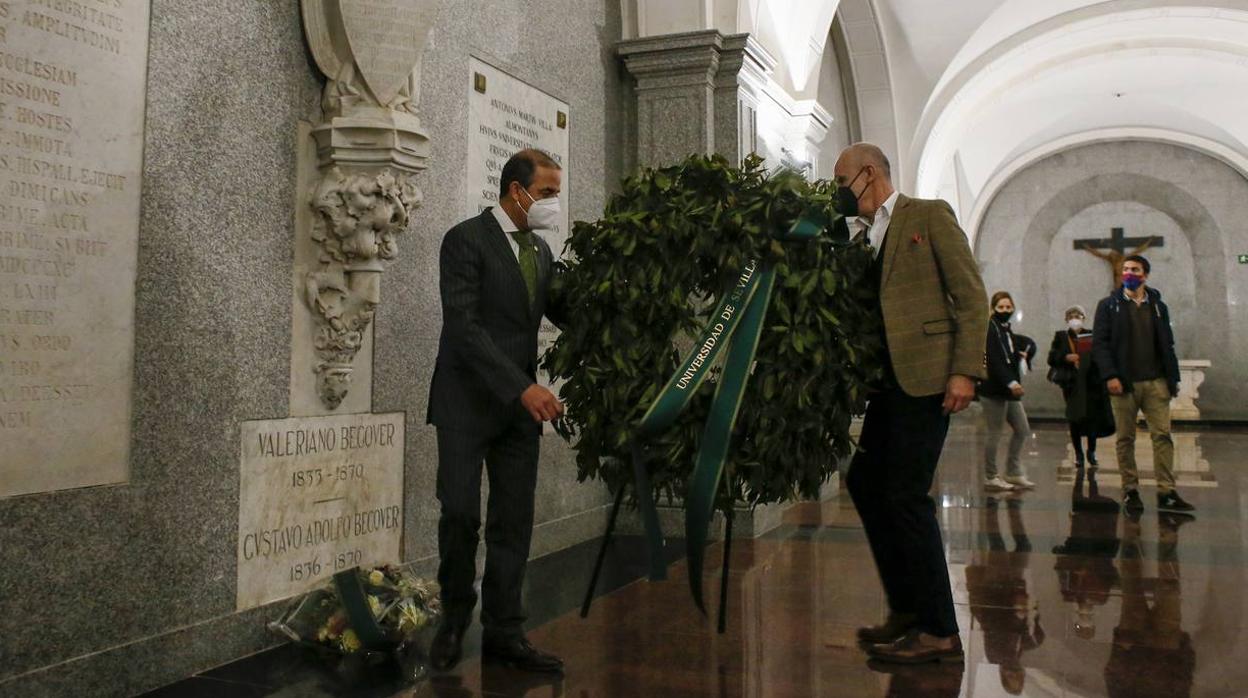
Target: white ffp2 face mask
(1075, 324)
(543, 214)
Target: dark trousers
(889, 478)
(510, 457)
(1077, 434)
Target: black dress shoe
(1092, 460)
(448, 646)
(1132, 503)
(1171, 501)
(519, 653)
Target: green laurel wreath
(647, 277)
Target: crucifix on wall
(1113, 249)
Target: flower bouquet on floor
(366, 623)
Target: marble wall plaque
(317, 495)
(506, 114)
(72, 98)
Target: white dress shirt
(505, 222)
(877, 228)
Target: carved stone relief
(358, 218)
(369, 145)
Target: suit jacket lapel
(892, 239)
(497, 242)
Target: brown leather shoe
(892, 630)
(917, 647)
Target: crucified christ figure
(1115, 258)
(1114, 249)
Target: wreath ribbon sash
(734, 328)
(355, 601)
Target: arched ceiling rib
(1113, 67)
(1018, 162)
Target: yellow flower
(350, 643)
(412, 618)
(375, 605)
(376, 578)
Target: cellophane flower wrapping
(405, 606)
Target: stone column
(744, 69)
(700, 92)
(675, 91)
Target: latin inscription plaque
(72, 100)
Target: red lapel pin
(917, 238)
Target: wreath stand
(608, 536)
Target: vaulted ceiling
(1036, 78)
(981, 88)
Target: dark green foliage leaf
(651, 271)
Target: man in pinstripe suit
(487, 406)
(935, 320)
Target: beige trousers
(1153, 399)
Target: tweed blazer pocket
(945, 326)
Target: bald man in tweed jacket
(935, 315)
(934, 303)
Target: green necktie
(528, 262)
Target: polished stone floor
(1058, 594)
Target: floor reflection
(996, 582)
(936, 681)
(1058, 594)
(1151, 652)
(1192, 469)
(497, 680)
(1085, 561)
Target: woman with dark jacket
(1001, 396)
(1073, 370)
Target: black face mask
(846, 199)
(1002, 318)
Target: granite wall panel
(132, 586)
